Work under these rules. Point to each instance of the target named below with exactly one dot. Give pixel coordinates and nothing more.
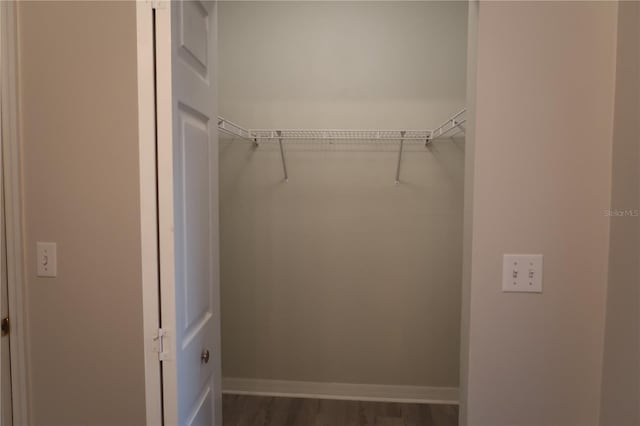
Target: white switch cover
(47, 259)
(522, 273)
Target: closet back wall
(340, 275)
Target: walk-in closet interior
(341, 151)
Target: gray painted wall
(541, 183)
(78, 97)
(340, 275)
(621, 372)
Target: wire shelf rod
(399, 160)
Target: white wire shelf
(341, 135)
(263, 135)
(454, 122)
(231, 128)
(257, 136)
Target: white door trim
(164, 155)
(148, 209)
(13, 212)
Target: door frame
(149, 239)
(13, 211)
(145, 27)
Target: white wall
(541, 183)
(534, 360)
(340, 275)
(79, 135)
(342, 64)
(621, 371)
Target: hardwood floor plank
(444, 415)
(244, 410)
(391, 409)
(389, 421)
(352, 414)
(281, 409)
(330, 413)
(366, 413)
(411, 414)
(426, 414)
(231, 407)
(305, 412)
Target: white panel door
(188, 211)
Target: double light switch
(522, 273)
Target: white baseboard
(345, 391)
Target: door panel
(193, 36)
(188, 211)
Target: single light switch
(522, 273)
(47, 259)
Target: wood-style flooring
(243, 410)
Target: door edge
(148, 209)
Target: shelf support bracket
(402, 133)
(284, 161)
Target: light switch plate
(47, 259)
(522, 273)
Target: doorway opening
(318, 225)
(341, 249)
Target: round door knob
(205, 356)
